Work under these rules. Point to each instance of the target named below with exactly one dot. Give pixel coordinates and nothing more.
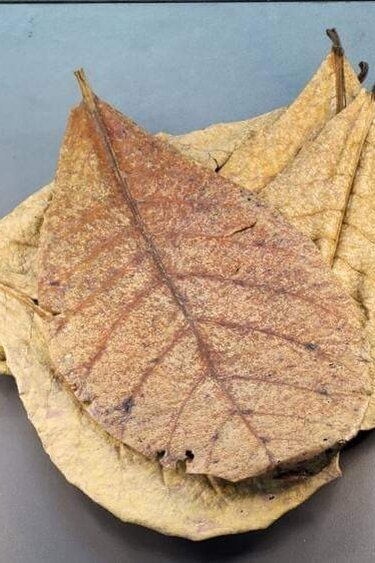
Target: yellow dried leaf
(211, 147)
(312, 191)
(354, 257)
(259, 159)
(19, 239)
(327, 192)
(132, 487)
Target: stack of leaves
(190, 319)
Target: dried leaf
(312, 192)
(4, 369)
(203, 285)
(326, 192)
(354, 258)
(259, 159)
(19, 239)
(130, 486)
(211, 147)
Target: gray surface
(173, 68)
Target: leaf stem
(362, 75)
(338, 53)
(87, 94)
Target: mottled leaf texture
(354, 257)
(19, 242)
(312, 192)
(211, 147)
(260, 158)
(132, 487)
(190, 320)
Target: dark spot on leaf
(189, 454)
(247, 411)
(259, 242)
(54, 283)
(86, 402)
(128, 404)
(215, 437)
(364, 360)
(310, 346)
(271, 497)
(160, 454)
(243, 229)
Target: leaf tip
(87, 93)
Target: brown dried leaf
(259, 159)
(211, 147)
(204, 285)
(132, 487)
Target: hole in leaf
(189, 454)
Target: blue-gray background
(171, 67)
